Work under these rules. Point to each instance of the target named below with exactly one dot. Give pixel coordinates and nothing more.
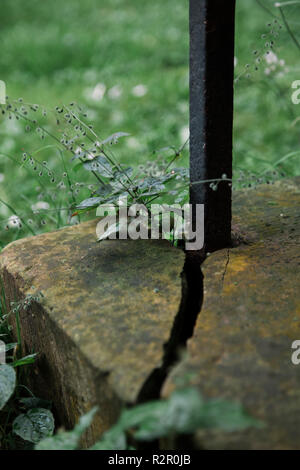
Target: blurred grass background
(126, 61)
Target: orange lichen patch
(238, 264)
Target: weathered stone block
(241, 347)
(106, 314)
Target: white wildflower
(139, 90)
(41, 205)
(14, 221)
(184, 134)
(115, 92)
(117, 117)
(12, 127)
(91, 114)
(95, 94)
(271, 58)
(133, 143)
(99, 92)
(78, 150)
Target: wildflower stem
(57, 140)
(295, 40)
(113, 161)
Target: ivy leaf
(7, 383)
(35, 425)
(67, 440)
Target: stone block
(241, 347)
(101, 327)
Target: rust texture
(211, 113)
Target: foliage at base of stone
(68, 440)
(183, 413)
(36, 423)
(7, 383)
(24, 420)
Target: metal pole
(211, 113)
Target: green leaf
(77, 167)
(89, 203)
(35, 425)
(104, 190)
(127, 173)
(67, 440)
(7, 383)
(184, 412)
(150, 183)
(154, 192)
(99, 165)
(79, 154)
(114, 439)
(229, 416)
(10, 346)
(166, 149)
(113, 139)
(30, 359)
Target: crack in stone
(183, 326)
(182, 330)
(225, 269)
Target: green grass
(55, 52)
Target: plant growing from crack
(24, 418)
(157, 181)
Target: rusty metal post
(211, 113)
